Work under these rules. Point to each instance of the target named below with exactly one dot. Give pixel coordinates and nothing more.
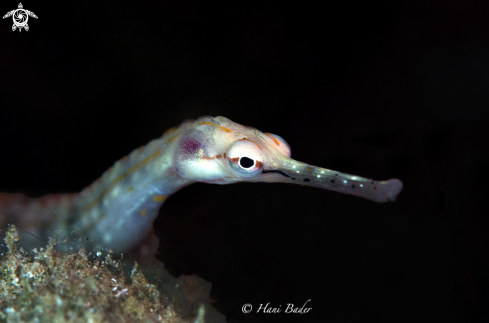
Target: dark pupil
(246, 162)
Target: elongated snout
(291, 171)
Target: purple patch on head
(190, 145)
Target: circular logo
(20, 17)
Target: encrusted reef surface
(47, 285)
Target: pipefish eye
(245, 158)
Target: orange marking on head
(224, 155)
(171, 139)
(159, 198)
(244, 139)
(125, 158)
(218, 156)
(273, 138)
(215, 125)
(142, 212)
(168, 131)
(308, 169)
(140, 148)
(208, 157)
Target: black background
(379, 89)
